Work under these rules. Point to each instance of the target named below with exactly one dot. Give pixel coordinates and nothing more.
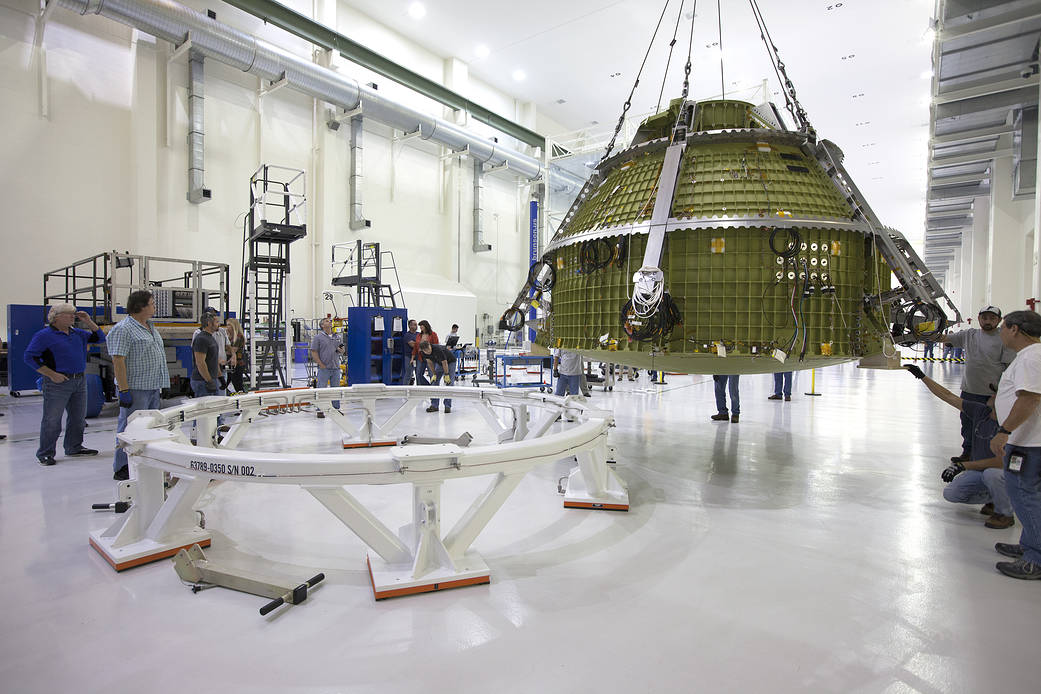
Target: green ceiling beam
(321, 35)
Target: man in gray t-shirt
(985, 360)
(326, 348)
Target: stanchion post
(813, 383)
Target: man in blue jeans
(980, 479)
(441, 362)
(567, 369)
(139, 362)
(206, 368)
(782, 386)
(59, 354)
(1019, 440)
(326, 349)
(722, 413)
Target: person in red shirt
(426, 334)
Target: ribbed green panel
(720, 115)
(733, 297)
(737, 179)
(626, 196)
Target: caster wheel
(610, 387)
(16, 394)
(542, 390)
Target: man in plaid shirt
(139, 360)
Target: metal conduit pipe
(358, 220)
(197, 192)
(173, 22)
(478, 240)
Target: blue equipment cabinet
(374, 344)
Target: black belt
(68, 375)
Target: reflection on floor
(805, 549)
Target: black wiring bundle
(595, 254)
(659, 324)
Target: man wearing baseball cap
(986, 358)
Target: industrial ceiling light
(519, 75)
(417, 10)
(482, 51)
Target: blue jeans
(439, 373)
(721, 383)
(980, 487)
(966, 423)
(199, 389)
(783, 381)
(568, 385)
(421, 373)
(1024, 490)
(68, 397)
(329, 378)
(143, 400)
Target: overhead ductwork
(197, 192)
(358, 220)
(478, 240)
(176, 23)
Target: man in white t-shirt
(1018, 441)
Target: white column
(979, 259)
(1035, 274)
(1010, 220)
(952, 282)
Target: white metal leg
(594, 485)
(156, 526)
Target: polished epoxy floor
(806, 549)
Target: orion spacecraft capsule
(718, 232)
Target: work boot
(787, 398)
(432, 409)
(1000, 522)
(1020, 568)
(720, 417)
(46, 460)
(775, 396)
(122, 473)
(734, 419)
(1004, 548)
(321, 415)
(448, 409)
(988, 509)
(83, 450)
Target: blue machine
(23, 321)
(374, 344)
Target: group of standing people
(723, 383)
(58, 353)
(422, 353)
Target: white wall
(99, 175)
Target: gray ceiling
(984, 105)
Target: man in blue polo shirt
(59, 354)
(139, 361)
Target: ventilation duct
(197, 192)
(479, 244)
(358, 220)
(173, 22)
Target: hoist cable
(629, 101)
(668, 62)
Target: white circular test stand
(419, 558)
